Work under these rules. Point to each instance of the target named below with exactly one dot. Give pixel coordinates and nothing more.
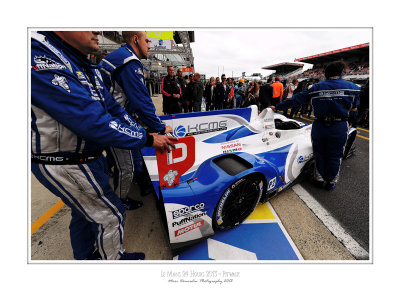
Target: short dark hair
(269, 79)
(334, 69)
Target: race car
(224, 163)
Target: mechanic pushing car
(73, 119)
(334, 102)
(122, 73)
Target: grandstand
(356, 57)
(285, 70)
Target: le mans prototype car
(226, 162)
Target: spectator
(197, 92)
(189, 93)
(221, 93)
(231, 94)
(73, 119)
(209, 94)
(182, 85)
(122, 73)
(266, 93)
(240, 93)
(277, 87)
(332, 101)
(171, 92)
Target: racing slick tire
(237, 202)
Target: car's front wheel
(237, 202)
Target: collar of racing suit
(78, 57)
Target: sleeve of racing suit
(132, 82)
(61, 95)
(295, 101)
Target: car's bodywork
(219, 151)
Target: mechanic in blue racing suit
(123, 76)
(73, 119)
(334, 102)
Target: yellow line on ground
(363, 129)
(42, 219)
(367, 138)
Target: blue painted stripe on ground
(266, 240)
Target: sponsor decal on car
(200, 128)
(271, 184)
(187, 219)
(45, 63)
(231, 147)
(187, 210)
(170, 177)
(302, 159)
(189, 228)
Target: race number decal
(172, 165)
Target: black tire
(237, 202)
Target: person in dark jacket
(171, 92)
(182, 84)
(209, 94)
(221, 93)
(363, 109)
(197, 92)
(266, 94)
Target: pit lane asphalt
(349, 203)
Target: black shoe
(131, 204)
(94, 256)
(330, 186)
(132, 256)
(319, 184)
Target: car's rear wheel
(238, 202)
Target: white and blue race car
(226, 162)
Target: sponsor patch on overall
(61, 81)
(45, 63)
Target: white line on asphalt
(332, 224)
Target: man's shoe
(330, 186)
(319, 184)
(131, 204)
(94, 256)
(132, 256)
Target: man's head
(269, 80)
(223, 78)
(170, 71)
(229, 81)
(196, 77)
(84, 41)
(217, 80)
(139, 42)
(180, 73)
(277, 79)
(334, 69)
(191, 77)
